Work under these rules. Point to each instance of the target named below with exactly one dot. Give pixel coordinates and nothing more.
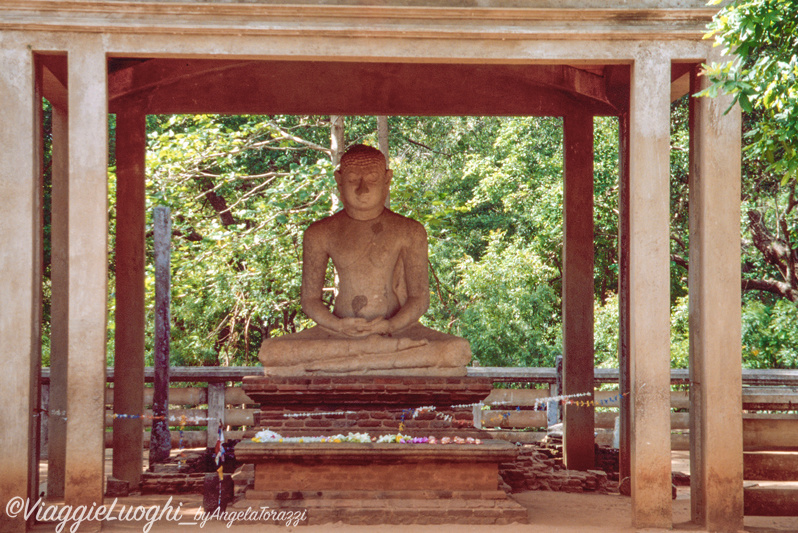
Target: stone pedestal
(353, 392)
(382, 483)
(369, 404)
(372, 483)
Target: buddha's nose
(362, 187)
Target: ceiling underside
(174, 86)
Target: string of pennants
(540, 404)
(182, 419)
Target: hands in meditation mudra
(383, 289)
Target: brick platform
(383, 483)
(367, 392)
(377, 422)
(373, 483)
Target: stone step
(297, 497)
(771, 499)
(771, 466)
(398, 511)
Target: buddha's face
(363, 187)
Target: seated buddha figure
(380, 259)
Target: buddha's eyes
(369, 178)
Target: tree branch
(299, 140)
(775, 252)
(681, 261)
(780, 288)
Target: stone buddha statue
(380, 259)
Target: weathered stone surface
(382, 483)
(162, 483)
(116, 487)
(380, 259)
(541, 468)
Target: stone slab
(775, 499)
(370, 483)
(438, 433)
(289, 497)
(336, 392)
(771, 466)
(492, 451)
(423, 475)
(409, 510)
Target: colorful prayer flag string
(317, 413)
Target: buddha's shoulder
(326, 224)
(403, 223)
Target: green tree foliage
(770, 334)
(762, 76)
(489, 191)
(242, 190)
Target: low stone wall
(540, 468)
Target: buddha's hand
(360, 327)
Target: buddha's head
(363, 181)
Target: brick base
(493, 508)
(373, 421)
(376, 483)
(383, 483)
(364, 392)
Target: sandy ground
(549, 512)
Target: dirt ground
(549, 512)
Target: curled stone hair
(361, 155)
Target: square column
(59, 303)
(624, 387)
(649, 289)
(20, 284)
(131, 144)
(716, 425)
(577, 300)
(87, 221)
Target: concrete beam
(577, 301)
(649, 289)
(54, 79)
(356, 88)
(715, 320)
(654, 20)
(768, 434)
(88, 262)
(20, 284)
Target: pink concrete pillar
(20, 283)
(87, 279)
(716, 425)
(649, 288)
(577, 301)
(131, 146)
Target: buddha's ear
(337, 175)
(388, 175)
